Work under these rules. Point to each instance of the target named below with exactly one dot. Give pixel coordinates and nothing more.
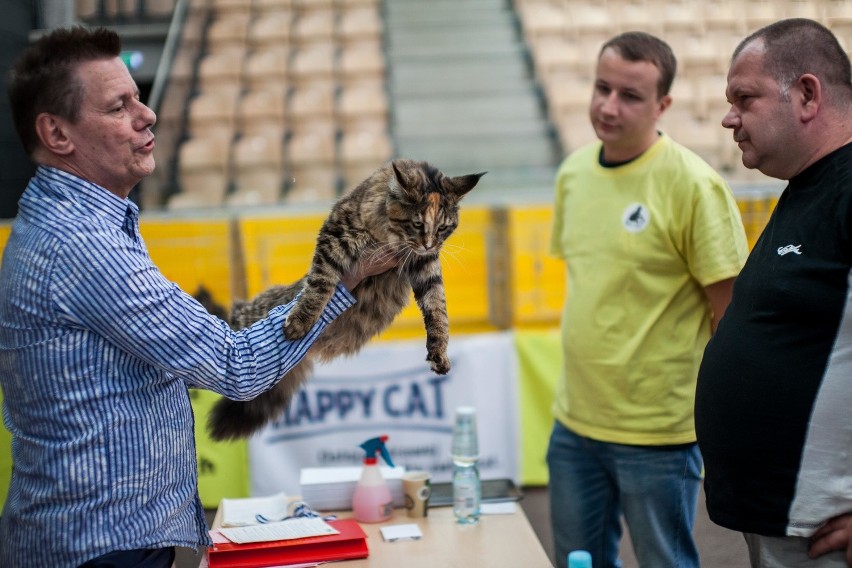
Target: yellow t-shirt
(640, 241)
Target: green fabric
(223, 469)
(539, 356)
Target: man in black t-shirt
(774, 397)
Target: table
(497, 540)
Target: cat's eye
(417, 224)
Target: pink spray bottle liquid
(372, 501)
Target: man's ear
(51, 131)
(808, 89)
(663, 104)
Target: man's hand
(372, 265)
(835, 534)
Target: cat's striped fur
(407, 208)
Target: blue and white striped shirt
(97, 351)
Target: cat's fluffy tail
(231, 420)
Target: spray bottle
(372, 501)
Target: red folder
(350, 543)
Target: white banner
(389, 389)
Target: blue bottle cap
(579, 559)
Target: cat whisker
(381, 251)
(408, 254)
(453, 247)
(455, 257)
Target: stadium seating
(337, 81)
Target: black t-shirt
(777, 374)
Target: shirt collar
(88, 195)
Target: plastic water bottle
(579, 559)
(467, 490)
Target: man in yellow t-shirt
(653, 240)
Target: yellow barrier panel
(537, 278)
(756, 207)
(279, 251)
(497, 267)
(5, 231)
(192, 253)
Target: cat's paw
(296, 327)
(439, 363)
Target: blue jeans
(592, 483)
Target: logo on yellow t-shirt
(636, 217)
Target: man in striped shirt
(97, 348)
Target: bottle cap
(465, 444)
(579, 559)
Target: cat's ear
(462, 184)
(399, 184)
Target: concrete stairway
(463, 96)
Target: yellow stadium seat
(270, 29)
(366, 101)
(203, 173)
(362, 150)
(213, 113)
(159, 8)
(312, 143)
(704, 137)
(221, 68)
(724, 16)
(313, 26)
(802, 9)
(302, 6)
(267, 67)
(574, 130)
(312, 185)
(759, 13)
(263, 8)
(230, 6)
(590, 21)
(544, 18)
(567, 92)
(86, 9)
(313, 62)
(258, 168)
(363, 60)
(636, 16)
(262, 110)
(228, 29)
(311, 102)
(359, 24)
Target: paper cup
(416, 486)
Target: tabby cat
(406, 208)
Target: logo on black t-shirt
(788, 249)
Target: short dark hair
(796, 46)
(642, 46)
(43, 79)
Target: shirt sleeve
(558, 218)
(716, 247)
(112, 288)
